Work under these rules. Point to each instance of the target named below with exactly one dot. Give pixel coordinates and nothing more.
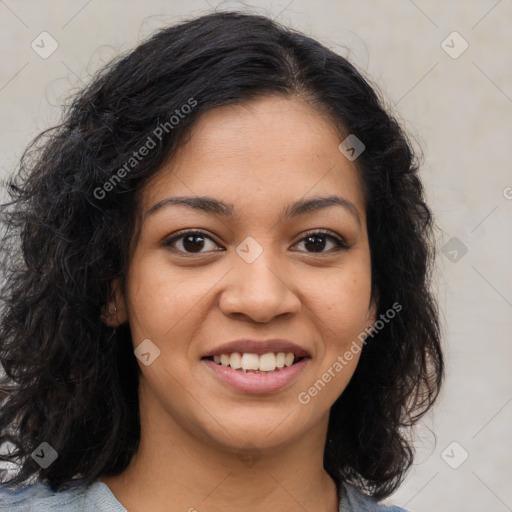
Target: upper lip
(251, 346)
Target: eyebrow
(211, 205)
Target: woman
(221, 300)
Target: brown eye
(317, 241)
(190, 242)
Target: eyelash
(339, 242)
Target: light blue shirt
(97, 497)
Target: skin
(260, 157)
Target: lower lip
(257, 382)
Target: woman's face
(267, 260)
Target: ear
(372, 312)
(114, 312)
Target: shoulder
(39, 497)
(353, 500)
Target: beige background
(460, 112)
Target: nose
(260, 290)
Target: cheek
(164, 304)
(341, 309)
(157, 299)
(341, 305)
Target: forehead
(270, 151)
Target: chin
(257, 429)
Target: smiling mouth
(271, 362)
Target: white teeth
(268, 362)
(235, 361)
(250, 362)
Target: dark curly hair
(71, 380)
